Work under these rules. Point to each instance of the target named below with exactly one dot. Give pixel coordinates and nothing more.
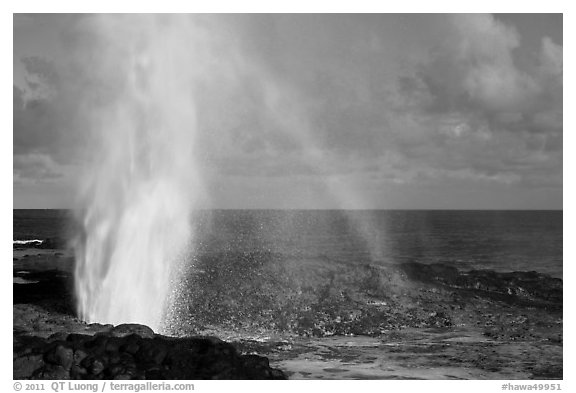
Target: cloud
(473, 71)
(551, 58)
(49, 99)
(409, 99)
(482, 112)
(453, 107)
(36, 167)
(36, 124)
(41, 73)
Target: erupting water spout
(138, 194)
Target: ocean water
(319, 273)
(30, 224)
(497, 240)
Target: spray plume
(138, 192)
(144, 182)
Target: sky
(351, 111)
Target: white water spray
(143, 182)
(139, 191)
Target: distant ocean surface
(497, 240)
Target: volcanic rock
(130, 356)
(25, 366)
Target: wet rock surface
(540, 289)
(104, 354)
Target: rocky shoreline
(500, 324)
(133, 352)
(50, 343)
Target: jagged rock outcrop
(134, 352)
